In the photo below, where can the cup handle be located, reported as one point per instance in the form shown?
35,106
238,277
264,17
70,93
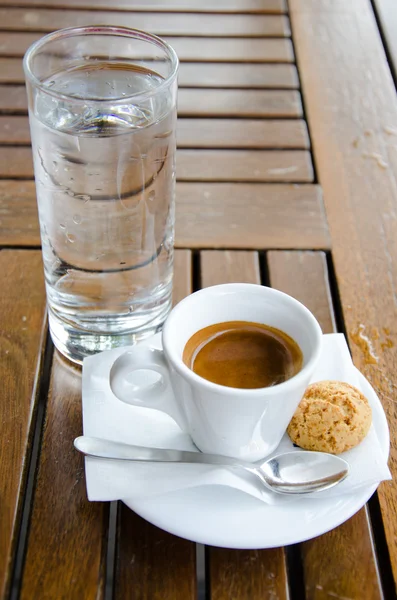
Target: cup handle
157,395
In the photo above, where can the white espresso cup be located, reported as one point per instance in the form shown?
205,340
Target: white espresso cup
243,423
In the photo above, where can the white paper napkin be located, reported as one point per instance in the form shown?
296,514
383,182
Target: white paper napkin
107,417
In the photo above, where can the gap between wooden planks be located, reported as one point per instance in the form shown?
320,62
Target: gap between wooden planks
198,103
201,165
352,110
202,133
386,11
179,24
208,215
236,50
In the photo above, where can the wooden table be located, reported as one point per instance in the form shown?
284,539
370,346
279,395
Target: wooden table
287,165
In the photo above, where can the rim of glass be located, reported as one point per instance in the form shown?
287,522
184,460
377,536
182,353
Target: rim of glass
101,30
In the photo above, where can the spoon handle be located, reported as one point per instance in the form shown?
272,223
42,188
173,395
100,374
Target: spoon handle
101,448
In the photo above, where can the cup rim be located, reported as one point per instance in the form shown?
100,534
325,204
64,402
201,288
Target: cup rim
101,30
285,386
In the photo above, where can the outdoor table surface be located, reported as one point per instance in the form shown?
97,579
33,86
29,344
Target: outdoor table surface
286,176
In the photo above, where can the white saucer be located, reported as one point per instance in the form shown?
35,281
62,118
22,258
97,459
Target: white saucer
221,516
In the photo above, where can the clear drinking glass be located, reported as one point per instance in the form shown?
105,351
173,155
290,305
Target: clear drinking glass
102,112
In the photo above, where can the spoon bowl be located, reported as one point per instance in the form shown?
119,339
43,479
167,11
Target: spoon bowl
303,472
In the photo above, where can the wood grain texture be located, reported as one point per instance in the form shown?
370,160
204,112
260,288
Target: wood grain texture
220,215
225,266
387,13
223,6
151,563
11,70
182,275
242,574
247,49
67,536
244,165
200,165
22,337
239,103
178,24
196,75
352,122
198,103
14,130
304,275
208,215
347,550
13,99
19,224
252,50
349,556
237,133
16,162
201,133
253,574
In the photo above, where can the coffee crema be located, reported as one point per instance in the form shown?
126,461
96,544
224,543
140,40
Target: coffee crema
243,354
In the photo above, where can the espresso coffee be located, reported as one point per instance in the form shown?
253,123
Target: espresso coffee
241,354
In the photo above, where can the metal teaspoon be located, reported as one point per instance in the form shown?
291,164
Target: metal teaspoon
299,472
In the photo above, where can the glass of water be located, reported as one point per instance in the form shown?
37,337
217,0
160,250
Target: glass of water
102,112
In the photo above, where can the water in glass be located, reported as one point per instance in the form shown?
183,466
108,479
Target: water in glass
105,189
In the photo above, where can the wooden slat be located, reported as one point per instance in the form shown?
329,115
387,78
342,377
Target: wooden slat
248,574
13,99
304,275
349,554
14,130
16,162
342,63
386,10
11,70
201,133
22,310
250,50
224,6
241,103
208,215
221,215
179,24
243,165
182,275
238,133
347,550
218,75
198,103
241,574
200,165
68,535
153,564
18,214
225,266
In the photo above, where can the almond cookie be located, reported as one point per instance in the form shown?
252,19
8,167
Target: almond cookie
332,416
